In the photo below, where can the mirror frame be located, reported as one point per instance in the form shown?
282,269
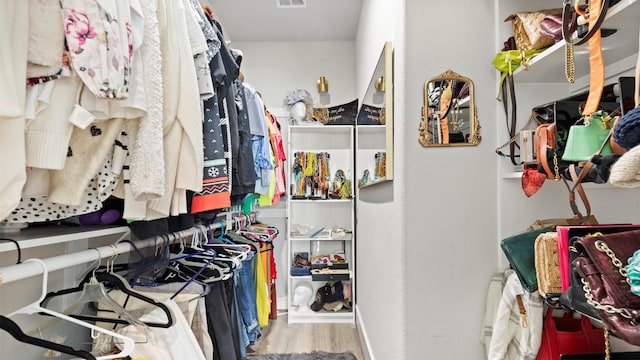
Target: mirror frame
384,70
474,125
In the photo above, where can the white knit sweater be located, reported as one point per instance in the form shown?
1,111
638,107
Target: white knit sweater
14,32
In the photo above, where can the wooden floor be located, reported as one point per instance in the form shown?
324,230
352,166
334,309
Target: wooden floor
283,338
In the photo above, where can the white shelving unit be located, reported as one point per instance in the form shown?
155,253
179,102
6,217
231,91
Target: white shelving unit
327,214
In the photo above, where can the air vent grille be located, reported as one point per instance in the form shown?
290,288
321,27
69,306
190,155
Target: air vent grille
291,3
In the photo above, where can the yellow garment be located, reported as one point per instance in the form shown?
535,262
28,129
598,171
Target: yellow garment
262,295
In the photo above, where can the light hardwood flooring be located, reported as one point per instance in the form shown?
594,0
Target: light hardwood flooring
283,338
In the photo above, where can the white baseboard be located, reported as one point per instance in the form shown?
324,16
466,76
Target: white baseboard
364,339
282,303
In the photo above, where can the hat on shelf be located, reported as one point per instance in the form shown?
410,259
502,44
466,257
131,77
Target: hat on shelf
626,171
626,132
329,293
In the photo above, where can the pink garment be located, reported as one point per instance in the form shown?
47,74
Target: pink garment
280,156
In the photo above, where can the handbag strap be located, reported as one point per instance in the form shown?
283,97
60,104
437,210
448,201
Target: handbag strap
568,20
577,182
543,154
511,119
596,60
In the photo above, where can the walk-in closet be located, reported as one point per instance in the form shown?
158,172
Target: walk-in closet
284,179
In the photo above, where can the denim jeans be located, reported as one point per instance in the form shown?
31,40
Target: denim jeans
246,296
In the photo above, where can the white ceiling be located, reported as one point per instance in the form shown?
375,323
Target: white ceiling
262,20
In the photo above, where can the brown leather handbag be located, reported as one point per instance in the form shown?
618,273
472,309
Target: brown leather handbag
601,264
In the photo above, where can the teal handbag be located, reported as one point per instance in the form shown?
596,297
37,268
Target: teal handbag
586,139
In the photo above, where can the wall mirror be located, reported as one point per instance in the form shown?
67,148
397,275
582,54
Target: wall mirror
449,112
374,125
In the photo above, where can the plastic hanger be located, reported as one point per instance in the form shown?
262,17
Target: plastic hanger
127,343
95,292
14,330
121,284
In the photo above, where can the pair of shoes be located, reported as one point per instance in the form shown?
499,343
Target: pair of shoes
301,262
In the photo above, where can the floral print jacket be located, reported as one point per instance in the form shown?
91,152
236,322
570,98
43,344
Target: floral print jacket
99,43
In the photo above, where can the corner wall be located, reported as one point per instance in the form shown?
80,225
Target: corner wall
451,203
380,274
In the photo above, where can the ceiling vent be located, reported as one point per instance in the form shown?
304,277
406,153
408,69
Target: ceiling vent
288,4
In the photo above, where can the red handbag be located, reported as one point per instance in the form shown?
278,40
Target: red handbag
569,335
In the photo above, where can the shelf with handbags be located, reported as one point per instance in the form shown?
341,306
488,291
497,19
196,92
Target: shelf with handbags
588,276
618,38
561,107
606,98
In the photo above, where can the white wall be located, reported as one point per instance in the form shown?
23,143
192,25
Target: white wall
381,288
451,238
275,68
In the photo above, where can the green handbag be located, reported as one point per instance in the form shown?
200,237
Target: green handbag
519,251
586,139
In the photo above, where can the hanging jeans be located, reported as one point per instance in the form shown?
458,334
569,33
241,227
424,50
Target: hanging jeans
246,295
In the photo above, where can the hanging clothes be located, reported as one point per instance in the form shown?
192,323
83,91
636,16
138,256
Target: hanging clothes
14,38
173,343
246,174
215,192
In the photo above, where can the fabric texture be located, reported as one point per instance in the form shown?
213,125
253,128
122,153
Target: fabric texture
182,114
215,192
626,133
88,149
48,128
100,45
147,166
510,340
46,38
14,32
626,171
173,343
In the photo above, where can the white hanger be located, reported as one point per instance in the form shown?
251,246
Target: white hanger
127,343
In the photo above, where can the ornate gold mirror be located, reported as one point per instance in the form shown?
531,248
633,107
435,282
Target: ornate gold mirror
449,112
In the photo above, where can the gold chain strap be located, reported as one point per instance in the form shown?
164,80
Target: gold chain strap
607,345
604,248
513,139
569,63
556,168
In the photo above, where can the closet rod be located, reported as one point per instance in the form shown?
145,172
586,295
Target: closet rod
25,270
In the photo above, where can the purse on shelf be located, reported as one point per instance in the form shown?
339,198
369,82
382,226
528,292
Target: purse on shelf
585,139
519,251
600,262
567,232
556,120
546,264
527,30
551,27
569,335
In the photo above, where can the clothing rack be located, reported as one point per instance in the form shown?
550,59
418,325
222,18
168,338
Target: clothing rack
25,270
